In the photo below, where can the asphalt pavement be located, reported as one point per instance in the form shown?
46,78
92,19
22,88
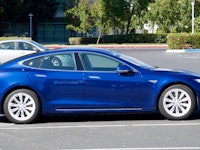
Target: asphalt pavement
149,131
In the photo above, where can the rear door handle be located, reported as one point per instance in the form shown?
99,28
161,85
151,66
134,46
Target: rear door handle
94,77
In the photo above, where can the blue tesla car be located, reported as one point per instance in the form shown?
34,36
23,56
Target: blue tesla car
90,80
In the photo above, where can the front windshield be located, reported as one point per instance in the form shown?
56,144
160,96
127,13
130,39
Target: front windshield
133,60
38,45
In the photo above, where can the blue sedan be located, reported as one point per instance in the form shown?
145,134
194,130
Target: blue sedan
89,80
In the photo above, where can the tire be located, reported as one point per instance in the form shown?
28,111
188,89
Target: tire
22,106
177,102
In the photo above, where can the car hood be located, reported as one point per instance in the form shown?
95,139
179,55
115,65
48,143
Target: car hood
176,71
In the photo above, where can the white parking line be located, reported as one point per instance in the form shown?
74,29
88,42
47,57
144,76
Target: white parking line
165,124
153,148
27,127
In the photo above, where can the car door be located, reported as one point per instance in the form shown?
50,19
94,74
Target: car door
58,80
105,88
13,49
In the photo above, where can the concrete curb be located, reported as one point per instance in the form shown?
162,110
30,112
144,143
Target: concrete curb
183,51
154,46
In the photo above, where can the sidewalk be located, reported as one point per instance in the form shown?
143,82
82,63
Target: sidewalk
110,46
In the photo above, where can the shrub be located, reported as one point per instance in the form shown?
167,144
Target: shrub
135,38
130,38
183,41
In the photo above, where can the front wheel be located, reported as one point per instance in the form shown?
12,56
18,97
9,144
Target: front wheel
22,106
177,102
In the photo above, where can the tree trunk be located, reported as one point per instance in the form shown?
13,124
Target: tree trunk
99,37
128,25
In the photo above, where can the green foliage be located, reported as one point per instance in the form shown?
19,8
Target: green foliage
79,17
107,15
131,38
135,14
183,40
135,38
115,14
171,16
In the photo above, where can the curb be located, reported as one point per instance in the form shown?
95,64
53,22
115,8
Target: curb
109,46
183,51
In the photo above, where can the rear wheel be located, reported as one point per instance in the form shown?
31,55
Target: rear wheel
177,102
22,106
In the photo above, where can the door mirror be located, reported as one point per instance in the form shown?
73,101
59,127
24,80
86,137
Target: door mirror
124,70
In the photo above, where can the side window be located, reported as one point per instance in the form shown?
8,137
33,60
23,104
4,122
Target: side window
19,46
28,46
94,62
7,45
63,61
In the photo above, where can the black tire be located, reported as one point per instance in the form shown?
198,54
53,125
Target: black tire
177,102
22,106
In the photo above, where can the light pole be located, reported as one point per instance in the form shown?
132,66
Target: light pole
31,24
193,2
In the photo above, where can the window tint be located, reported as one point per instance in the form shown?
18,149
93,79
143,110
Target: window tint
7,45
28,46
59,62
94,62
24,46
17,46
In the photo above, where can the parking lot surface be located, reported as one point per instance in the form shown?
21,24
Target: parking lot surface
111,132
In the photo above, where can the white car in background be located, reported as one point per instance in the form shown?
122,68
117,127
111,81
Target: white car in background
10,49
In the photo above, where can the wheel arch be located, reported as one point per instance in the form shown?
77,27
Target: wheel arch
16,88
175,83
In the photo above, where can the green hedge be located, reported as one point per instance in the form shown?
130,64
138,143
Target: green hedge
183,40
135,38
131,38
13,38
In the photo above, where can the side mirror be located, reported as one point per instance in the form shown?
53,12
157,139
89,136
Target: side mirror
124,70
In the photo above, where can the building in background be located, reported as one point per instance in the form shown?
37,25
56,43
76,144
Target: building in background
53,31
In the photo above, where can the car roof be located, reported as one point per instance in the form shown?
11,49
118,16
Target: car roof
79,49
63,50
15,40
75,49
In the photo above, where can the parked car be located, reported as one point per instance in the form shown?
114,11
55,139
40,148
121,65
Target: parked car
93,80
10,49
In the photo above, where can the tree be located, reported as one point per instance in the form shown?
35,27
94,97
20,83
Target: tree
79,17
8,12
165,14
41,9
171,16
104,14
108,15
116,14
